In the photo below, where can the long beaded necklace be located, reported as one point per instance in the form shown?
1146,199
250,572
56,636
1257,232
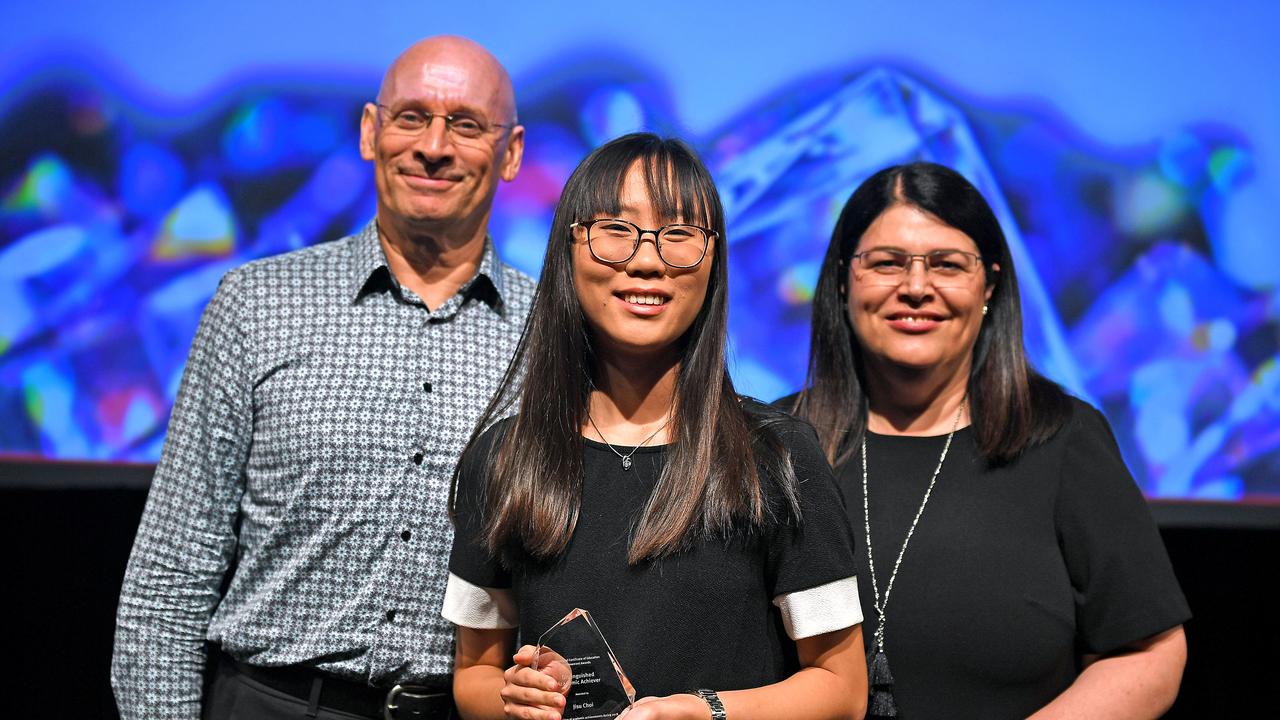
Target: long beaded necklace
626,459
881,703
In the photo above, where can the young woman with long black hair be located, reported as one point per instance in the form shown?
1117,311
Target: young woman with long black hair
703,531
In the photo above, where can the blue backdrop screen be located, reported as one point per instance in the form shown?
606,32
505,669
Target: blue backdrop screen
1148,271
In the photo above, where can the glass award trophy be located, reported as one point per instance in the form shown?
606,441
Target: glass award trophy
575,653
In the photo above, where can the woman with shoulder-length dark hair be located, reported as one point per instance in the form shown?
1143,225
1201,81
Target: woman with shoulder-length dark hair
1013,567
702,531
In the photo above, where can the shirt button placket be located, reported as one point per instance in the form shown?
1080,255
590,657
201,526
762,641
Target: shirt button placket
386,651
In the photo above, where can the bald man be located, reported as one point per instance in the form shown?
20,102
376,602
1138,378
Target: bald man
295,544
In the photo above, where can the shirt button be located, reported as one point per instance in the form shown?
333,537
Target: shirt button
426,387
391,616
406,535
417,458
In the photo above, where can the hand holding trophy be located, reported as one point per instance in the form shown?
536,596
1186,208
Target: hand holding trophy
575,653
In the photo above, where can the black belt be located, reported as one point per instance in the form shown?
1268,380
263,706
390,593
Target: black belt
317,688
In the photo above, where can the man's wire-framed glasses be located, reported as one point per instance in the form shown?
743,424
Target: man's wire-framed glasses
613,241
412,121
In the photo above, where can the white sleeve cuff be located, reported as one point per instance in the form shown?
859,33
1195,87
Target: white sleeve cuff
478,607
819,610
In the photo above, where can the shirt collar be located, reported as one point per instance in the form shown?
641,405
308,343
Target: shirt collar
370,271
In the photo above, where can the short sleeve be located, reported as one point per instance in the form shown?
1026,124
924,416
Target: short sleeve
1124,585
810,568
479,590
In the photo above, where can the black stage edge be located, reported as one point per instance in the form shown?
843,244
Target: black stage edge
68,549
39,474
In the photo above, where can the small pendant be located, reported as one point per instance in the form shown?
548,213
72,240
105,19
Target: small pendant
626,463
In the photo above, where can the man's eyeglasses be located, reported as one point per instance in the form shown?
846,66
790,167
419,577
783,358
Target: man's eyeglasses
946,268
412,122
613,241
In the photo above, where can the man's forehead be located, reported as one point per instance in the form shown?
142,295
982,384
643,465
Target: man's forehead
444,76
444,80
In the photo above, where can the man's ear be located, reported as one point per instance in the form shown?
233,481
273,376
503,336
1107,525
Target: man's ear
368,130
513,155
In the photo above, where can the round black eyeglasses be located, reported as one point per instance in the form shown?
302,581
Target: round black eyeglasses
613,241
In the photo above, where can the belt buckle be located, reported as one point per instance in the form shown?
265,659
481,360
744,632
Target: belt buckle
416,692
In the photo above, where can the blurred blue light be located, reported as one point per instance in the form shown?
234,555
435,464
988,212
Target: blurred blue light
255,138
202,222
610,112
151,179
1143,242
42,251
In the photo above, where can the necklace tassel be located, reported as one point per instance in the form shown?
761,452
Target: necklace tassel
880,704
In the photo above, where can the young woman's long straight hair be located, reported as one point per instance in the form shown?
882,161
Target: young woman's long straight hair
710,483
1012,407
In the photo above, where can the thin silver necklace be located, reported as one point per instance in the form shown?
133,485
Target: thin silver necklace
626,459
866,516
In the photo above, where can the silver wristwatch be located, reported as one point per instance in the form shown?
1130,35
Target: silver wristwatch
713,701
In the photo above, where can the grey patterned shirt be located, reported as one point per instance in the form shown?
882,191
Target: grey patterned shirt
311,445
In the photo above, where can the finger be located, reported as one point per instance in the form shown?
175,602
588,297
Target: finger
531,677
524,712
524,656
560,672
636,712
537,680
516,695
531,695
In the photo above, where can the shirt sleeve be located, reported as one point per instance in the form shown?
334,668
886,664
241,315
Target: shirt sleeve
1124,585
479,591
186,539
811,568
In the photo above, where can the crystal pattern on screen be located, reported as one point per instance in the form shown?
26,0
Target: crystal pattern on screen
1144,288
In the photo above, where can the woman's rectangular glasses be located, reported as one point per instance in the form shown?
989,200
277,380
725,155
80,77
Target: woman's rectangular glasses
889,266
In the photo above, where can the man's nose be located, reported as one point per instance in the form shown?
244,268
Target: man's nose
435,142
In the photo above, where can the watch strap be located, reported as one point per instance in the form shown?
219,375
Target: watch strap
712,699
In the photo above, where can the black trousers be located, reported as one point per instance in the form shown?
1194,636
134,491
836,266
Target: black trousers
232,696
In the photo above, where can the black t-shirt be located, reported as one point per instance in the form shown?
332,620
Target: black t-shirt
702,618
1011,573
